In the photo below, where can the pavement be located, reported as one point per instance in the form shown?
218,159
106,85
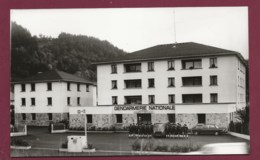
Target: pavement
40,138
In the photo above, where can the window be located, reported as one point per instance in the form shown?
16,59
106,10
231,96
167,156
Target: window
150,83
33,116
22,87
136,67
213,98
171,65
150,66
89,118
32,101
50,116
68,86
78,101
68,101
114,84
114,100
201,118
23,102
171,98
171,82
113,68
135,83
23,116
213,80
49,101
191,64
191,81
119,118
32,87
213,63
87,88
49,86
133,99
151,99
192,98
171,118
78,86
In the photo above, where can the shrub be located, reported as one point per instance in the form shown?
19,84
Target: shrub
58,126
136,146
64,145
18,142
163,148
149,146
14,129
65,122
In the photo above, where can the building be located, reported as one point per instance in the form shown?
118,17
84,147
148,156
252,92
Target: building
187,83
46,97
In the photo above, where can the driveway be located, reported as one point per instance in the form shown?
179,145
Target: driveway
39,138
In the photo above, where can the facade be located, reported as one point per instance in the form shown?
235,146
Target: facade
186,83
46,97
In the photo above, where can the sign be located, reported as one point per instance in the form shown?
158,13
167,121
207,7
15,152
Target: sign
144,107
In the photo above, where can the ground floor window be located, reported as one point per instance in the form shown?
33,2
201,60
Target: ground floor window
201,118
23,116
89,118
50,116
33,116
171,118
119,118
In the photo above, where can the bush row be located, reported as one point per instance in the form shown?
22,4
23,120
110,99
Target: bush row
151,145
18,142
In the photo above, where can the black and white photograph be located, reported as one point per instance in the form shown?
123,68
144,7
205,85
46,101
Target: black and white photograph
129,82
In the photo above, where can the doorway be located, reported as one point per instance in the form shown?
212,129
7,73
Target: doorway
144,118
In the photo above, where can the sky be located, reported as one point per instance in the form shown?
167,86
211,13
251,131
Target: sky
133,29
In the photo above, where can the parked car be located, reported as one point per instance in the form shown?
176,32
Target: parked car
208,129
159,129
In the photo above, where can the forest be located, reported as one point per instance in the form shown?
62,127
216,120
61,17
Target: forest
73,54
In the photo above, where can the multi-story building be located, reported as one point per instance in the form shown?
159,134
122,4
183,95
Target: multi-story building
46,97
182,83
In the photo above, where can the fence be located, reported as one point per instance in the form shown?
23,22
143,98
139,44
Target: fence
58,128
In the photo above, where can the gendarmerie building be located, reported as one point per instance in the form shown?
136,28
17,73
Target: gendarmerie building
186,83
46,97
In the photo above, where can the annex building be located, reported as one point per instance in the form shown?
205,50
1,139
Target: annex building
187,83
46,97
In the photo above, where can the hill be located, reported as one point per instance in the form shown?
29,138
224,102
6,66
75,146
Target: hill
69,53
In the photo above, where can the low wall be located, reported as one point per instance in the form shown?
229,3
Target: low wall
243,136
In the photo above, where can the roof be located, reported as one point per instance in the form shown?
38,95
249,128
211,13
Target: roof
174,50
53,76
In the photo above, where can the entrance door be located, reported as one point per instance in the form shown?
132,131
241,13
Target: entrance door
144,118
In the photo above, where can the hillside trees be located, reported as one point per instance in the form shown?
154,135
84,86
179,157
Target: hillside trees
74,54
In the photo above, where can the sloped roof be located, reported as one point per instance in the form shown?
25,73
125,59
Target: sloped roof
175,50
54,75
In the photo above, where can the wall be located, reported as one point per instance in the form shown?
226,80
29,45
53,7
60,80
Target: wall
59,96
41,119
226,73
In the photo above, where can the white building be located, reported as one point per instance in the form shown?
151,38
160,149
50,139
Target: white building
46,97
183,83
